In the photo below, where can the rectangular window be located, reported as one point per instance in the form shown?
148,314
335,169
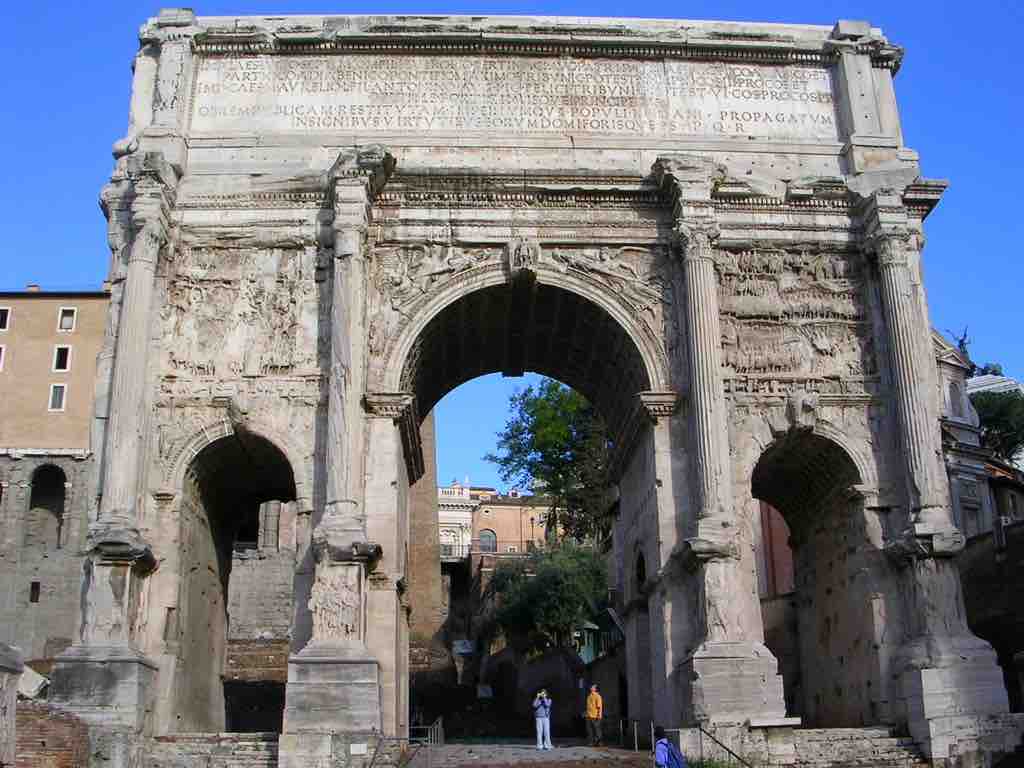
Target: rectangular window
3,354
33,592
5,318
57,392
511,549
66,319
61,358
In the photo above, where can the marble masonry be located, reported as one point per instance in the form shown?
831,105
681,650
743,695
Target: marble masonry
320,225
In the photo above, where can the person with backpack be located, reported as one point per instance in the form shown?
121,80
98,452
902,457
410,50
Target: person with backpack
666,754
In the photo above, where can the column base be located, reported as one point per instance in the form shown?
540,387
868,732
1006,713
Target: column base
734,682
333,689
332,709
106,685
945,703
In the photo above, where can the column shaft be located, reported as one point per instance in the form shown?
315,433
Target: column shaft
125,426
341,509
703,340
918,426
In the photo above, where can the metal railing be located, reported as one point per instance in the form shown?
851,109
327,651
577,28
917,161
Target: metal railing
520,546
432,735
455,551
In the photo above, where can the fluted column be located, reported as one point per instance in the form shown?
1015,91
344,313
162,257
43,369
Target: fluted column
125,425
728,674
948,676
919,433
118,556
355,178
334,682
703,344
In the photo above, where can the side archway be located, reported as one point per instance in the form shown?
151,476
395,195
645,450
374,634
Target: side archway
226,489
822,567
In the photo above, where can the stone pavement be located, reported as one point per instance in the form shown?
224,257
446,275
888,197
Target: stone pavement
452,755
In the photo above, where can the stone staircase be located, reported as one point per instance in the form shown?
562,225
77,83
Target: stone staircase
854,747
214,750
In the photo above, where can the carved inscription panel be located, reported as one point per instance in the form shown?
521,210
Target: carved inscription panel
510,95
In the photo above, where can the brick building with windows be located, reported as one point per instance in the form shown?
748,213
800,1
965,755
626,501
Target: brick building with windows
50,347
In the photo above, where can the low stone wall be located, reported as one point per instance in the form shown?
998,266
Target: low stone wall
49,738
977,742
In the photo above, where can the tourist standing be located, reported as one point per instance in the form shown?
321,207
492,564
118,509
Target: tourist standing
595,711
542,717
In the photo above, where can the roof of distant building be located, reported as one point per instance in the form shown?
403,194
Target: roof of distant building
992,383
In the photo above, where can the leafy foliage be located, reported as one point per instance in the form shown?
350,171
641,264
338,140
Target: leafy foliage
1002,421
554,440
543,597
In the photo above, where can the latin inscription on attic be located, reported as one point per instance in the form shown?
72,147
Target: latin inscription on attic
511,95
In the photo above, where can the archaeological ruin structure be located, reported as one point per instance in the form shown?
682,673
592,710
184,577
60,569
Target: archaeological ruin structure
320,225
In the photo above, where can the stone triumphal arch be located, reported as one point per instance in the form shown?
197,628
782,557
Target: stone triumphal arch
321,225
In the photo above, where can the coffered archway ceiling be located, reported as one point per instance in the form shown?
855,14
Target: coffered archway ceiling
545,329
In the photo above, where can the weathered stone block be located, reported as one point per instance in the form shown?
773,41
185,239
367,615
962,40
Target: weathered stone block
112,688
332,695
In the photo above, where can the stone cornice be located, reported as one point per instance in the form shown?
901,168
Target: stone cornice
522,36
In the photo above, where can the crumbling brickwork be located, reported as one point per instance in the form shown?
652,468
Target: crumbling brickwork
50,739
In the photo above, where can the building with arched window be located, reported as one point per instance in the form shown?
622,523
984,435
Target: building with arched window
53,366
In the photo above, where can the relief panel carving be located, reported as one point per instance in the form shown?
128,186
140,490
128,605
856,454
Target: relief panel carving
234,313
794,315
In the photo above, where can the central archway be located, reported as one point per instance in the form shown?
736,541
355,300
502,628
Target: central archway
538,327
570,327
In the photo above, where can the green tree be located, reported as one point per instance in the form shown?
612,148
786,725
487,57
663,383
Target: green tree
1002,421
543,597
554,440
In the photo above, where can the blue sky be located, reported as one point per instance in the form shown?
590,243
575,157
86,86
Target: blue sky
66,102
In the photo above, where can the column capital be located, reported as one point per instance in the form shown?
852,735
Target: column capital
389,405
117,542
659,404
360,173
695,239
883,214
401,408
919,543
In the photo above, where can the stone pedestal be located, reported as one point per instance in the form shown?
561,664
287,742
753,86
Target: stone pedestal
950,679
106,685
332,708
333,698
734,682
334,690
104,679
11,667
